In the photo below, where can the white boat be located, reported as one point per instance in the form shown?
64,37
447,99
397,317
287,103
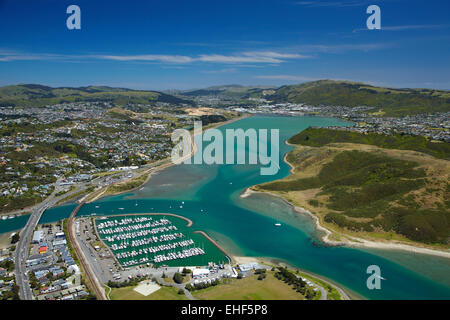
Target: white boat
11,217
277,224
96,207
4,217
121,208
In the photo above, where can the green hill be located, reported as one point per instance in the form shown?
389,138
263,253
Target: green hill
319,137
393,102
388,193
38,95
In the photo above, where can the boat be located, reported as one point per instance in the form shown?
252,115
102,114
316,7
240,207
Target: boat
4,217
96,207
121,208
11,217
277,224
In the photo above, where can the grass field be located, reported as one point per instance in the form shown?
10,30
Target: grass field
250,288
164,293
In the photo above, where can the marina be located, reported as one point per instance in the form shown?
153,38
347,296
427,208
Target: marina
156,240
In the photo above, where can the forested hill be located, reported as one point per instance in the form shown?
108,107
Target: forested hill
38,95
390,101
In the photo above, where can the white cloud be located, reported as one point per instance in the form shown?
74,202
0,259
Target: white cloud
268,57
147,57
340,48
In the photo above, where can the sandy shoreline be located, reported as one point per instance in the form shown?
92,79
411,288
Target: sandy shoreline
160,167
357,242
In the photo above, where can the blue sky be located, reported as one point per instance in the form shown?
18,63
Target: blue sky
191,44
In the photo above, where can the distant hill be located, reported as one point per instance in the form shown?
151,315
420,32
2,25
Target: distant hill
38,95
392,102
232,91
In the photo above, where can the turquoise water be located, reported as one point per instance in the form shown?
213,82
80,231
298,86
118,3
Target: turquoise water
246,226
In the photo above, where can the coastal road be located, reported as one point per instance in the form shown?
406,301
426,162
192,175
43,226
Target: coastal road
324,292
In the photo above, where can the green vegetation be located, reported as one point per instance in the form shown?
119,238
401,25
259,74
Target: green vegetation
127,283
38,95
249,288
332,292
370,192
319,137
8,265
200,286
296,282
129,185
15,238
12,294
178,278
393,102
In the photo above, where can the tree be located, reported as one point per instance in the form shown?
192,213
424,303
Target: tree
310,294
15,238
178,278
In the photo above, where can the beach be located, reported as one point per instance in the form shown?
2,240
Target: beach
355,241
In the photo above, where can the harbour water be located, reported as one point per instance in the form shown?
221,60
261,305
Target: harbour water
246,226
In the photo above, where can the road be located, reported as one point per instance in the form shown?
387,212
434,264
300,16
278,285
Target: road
21,254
